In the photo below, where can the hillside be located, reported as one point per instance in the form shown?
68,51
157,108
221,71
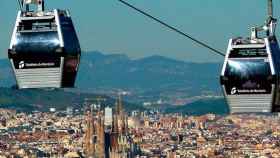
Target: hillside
157,73
201,107
146,79
154,73
42,100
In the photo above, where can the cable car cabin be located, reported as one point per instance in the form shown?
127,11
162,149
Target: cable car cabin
44,50
250,76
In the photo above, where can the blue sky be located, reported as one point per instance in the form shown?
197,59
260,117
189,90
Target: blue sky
110,27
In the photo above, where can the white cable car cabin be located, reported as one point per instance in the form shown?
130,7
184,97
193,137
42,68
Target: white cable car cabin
44,50
250,75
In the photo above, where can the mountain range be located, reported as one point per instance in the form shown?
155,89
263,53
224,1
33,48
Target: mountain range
146,79
154,73
44,99
151,73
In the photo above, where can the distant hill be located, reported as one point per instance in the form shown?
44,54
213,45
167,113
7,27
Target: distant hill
41,100
154,73
201,107
149,78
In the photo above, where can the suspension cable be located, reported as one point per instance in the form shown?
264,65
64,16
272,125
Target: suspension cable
172,28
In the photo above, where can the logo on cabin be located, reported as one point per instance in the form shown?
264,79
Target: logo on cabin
233,91
21,65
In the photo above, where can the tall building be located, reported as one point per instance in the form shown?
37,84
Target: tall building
120,146
100,136
69,111
108,117
89,144
101,143
115,133
119,107
94,140
121,117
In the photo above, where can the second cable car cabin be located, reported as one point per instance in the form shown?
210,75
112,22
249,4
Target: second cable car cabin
44,49
250,76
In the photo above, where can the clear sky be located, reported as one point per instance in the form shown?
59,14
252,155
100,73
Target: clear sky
110,27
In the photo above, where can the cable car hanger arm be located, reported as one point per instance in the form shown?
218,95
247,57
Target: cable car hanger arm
173,28
24,5
269,26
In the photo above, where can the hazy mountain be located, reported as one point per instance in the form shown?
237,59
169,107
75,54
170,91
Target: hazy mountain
151,73
155,73
202,107
42,100
150,78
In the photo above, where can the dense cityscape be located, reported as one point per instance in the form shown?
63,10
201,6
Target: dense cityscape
112,133
173,101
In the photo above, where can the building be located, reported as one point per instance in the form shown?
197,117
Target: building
108,117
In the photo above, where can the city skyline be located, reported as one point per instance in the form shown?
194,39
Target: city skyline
107,26
138,134
118,84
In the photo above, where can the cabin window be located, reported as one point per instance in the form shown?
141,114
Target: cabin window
37,42
37,25
248,76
